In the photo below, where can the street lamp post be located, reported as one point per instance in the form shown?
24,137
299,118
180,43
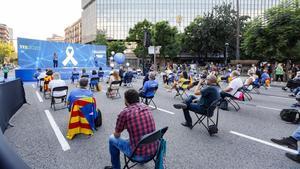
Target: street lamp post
238,30
226,53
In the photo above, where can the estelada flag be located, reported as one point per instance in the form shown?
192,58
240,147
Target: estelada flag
82,117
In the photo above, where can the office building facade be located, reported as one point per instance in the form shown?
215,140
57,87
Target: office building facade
73,33
115,17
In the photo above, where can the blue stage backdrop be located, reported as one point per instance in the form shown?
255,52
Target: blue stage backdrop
33,54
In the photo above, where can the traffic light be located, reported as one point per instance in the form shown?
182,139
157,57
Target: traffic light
147,39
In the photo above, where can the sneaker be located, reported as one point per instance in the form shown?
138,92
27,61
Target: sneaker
286,141
108,167
292,95
294,157
296,105
284,88
180,106
185,124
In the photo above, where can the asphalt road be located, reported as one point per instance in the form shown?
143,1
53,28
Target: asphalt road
242,141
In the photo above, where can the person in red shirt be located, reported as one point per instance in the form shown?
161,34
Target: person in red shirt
137,119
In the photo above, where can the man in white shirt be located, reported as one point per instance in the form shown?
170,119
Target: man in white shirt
57,82
235,84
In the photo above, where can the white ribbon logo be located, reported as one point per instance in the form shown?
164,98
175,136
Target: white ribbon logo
70,56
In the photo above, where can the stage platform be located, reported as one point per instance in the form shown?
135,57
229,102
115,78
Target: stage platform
26,74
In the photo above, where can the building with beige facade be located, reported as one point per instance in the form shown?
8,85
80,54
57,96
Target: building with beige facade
73,33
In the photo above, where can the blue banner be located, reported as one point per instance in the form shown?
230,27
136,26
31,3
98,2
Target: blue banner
42,54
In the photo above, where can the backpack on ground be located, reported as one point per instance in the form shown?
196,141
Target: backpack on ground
224,105
290,115
98,119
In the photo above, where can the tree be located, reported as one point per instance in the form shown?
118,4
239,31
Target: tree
277,36
168,38
207,35
136,34
101,40
116,46
7,51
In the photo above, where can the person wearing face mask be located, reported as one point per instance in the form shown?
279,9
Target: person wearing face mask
209,93
130,119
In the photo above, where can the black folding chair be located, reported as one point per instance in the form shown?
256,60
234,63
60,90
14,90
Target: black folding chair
63,98
182,91
230,99
156,136
148,100
41,84
208,115
94,83
246,92
113,91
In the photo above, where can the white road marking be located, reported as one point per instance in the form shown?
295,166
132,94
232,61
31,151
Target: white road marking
33,85
39,96
280,97
259,106
265,142
163,110
63,142
270,108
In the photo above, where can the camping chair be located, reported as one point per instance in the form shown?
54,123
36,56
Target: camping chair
148,100
230,99
81,122
153,137
41,84
113,91
94,83
180,91
75,76
101,75
128,79
209,113
63,98
246,92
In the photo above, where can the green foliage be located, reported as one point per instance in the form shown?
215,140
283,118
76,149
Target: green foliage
116,46
7,51
277,37
208,34
162,34
136,34
167,37
101,40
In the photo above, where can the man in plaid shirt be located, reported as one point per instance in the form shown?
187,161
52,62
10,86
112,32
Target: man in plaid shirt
137,119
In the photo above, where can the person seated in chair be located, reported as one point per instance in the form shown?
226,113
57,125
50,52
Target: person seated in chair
209,94
234,85
293,83
93,82
251,79
84,74
47,80
57,82
128,76
130,119
112,78
146,91
101,73
290,142
265,79
80,92
75,75
183,77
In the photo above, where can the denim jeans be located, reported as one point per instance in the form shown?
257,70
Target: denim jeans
296,91
296,136
194,107
118,144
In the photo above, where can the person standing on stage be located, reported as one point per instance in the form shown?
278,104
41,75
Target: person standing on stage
55,60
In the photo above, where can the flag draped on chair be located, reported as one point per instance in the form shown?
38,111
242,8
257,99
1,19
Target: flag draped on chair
82,117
